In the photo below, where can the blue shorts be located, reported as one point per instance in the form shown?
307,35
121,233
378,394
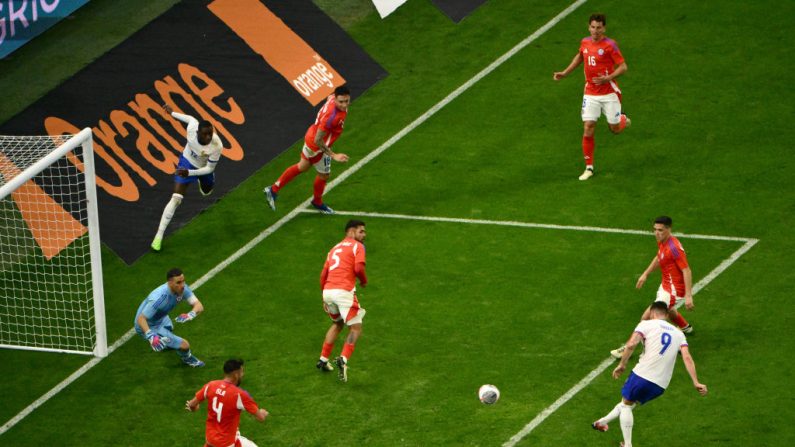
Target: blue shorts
164,331
207,180
638,389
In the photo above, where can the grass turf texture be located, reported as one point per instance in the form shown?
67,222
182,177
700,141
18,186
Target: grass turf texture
532,311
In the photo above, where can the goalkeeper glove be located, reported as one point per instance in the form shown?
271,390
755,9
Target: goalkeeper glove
157,343
186,317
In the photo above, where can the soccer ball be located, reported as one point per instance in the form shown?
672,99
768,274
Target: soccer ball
489,394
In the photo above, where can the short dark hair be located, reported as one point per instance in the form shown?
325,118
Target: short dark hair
232,365
599,17
659,306
353,223
665,220
342,91
204,124
173,272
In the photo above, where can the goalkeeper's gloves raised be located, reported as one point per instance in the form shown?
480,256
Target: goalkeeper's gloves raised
157,343
186,317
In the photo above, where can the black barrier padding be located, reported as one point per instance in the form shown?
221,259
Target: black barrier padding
457,9
276,115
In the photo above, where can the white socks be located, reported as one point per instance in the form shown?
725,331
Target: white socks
627,421
168,213
612,415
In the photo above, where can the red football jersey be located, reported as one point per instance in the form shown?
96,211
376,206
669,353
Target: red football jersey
225,401
673,260
341,264
330,120
599,59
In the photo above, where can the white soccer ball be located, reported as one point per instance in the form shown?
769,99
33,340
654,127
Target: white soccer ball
488,394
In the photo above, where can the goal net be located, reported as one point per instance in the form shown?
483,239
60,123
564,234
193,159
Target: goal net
51,296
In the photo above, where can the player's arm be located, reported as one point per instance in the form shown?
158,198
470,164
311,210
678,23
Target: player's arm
261,414
688,277
620,69
320,141
655,264
250,406
154,339
194,312
324,276
359,270
633,341
690,365
193,404
558,75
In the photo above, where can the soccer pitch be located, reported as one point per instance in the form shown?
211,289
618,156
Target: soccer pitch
482,295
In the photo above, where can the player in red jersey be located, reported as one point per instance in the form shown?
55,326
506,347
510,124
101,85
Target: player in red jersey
676,287
317,150
225,401
345,262
603,64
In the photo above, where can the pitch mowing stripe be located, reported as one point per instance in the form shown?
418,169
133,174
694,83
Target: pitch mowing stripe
513,223
270,230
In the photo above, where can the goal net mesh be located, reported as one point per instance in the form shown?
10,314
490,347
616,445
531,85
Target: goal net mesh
46,297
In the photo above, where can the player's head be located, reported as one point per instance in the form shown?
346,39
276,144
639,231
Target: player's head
355,229
233,369
342,98
659,310
662,228
205,134
596,25
176,281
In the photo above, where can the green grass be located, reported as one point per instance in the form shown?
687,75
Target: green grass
452,306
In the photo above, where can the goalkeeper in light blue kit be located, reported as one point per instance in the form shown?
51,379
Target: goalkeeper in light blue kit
153,323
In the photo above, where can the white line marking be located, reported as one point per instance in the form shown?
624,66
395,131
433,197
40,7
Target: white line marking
270,230
541,417
513,223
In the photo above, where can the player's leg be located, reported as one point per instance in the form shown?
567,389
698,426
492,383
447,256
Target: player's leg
180,186
676,317
272,191
207,184
627,420
331,337
323,168
591,110
353,315
242,441
616,120
180,345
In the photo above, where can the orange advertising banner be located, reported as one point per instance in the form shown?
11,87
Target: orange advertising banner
284,50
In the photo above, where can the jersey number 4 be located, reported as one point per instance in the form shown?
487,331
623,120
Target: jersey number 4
217,408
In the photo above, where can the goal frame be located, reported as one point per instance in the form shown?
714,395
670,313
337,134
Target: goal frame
83,139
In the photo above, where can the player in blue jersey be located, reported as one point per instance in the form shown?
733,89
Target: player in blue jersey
651,376
153,323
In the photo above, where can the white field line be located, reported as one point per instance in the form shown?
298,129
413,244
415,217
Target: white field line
513,223
749,243
270,230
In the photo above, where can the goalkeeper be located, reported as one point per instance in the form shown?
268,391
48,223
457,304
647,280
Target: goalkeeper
197,163
153,323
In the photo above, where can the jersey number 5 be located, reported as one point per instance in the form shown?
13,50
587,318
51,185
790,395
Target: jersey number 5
592,61
217,408
336,258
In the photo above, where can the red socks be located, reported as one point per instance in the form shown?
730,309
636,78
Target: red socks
319,187
347,351
587,150
285,178
326,351
680,321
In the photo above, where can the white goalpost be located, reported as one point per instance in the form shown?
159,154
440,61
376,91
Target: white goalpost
51,293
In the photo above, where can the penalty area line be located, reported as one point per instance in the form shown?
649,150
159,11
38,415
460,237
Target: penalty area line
300,208
544,414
